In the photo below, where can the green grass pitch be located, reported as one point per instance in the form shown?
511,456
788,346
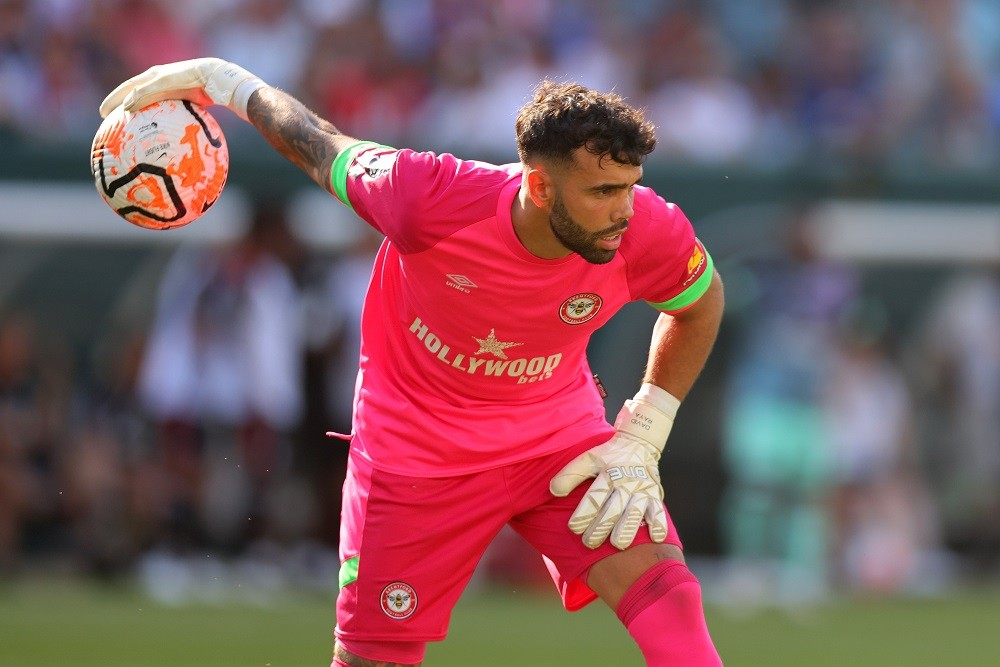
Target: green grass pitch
60,623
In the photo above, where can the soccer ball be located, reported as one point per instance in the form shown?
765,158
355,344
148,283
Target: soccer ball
162,166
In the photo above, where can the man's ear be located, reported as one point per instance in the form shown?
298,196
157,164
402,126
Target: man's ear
540,187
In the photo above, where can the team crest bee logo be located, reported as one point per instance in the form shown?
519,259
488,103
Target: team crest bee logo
580,308
399,600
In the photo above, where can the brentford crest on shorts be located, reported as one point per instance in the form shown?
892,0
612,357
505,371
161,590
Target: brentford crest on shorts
580,308
399,600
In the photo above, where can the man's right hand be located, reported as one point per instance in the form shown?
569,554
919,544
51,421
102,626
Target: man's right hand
205,81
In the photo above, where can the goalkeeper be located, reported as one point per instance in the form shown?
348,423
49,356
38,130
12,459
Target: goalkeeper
475,406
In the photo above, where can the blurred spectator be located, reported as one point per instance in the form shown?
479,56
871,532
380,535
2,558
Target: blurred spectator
16,434
779,141
148,32
334,302
106,463
450,112
49,99
933,97
17,65
355,75
884,530
343,293
834,77
595,43
776,447
36,392
252,32
956,366
701,112
221,378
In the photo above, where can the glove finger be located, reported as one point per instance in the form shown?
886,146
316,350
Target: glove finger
627,526
581,468
605,520
142,97
590,505
117,96
656,521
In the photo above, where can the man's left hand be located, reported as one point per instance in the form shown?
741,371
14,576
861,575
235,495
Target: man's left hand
627,486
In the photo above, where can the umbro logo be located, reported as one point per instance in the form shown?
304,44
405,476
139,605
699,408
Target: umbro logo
459,282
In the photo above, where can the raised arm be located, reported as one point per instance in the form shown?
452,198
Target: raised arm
308,141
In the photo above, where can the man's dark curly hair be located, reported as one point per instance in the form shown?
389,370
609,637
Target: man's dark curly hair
565,116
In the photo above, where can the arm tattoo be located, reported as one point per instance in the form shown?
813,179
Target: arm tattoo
308,141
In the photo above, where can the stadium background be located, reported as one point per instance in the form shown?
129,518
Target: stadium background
875,126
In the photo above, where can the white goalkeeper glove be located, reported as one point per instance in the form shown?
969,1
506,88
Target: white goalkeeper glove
206,81
627,489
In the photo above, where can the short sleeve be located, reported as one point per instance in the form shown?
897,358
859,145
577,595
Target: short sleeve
668,267
414,198
697,278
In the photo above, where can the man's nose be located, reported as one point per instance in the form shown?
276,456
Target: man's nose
625,211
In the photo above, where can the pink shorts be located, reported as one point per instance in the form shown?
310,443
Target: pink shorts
409,545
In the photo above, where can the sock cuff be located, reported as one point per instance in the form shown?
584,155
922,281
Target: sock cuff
651,586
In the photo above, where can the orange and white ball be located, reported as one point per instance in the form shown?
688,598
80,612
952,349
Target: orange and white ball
160,167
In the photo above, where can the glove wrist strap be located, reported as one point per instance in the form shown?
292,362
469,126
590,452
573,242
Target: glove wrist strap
241,96
649,416
230,85
659,398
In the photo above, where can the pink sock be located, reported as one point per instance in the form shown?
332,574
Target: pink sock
663,613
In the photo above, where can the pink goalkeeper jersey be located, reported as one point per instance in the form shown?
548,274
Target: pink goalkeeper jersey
473,351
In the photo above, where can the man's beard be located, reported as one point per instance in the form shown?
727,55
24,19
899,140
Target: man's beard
578,239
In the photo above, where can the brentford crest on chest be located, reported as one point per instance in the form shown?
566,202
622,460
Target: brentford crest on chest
580,308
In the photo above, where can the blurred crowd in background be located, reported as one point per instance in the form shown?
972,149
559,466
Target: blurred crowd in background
765,82
856,458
